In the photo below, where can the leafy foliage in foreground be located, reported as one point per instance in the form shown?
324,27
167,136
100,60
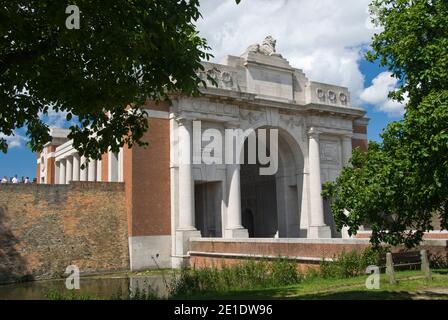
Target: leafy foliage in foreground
399,188
413,45
124,53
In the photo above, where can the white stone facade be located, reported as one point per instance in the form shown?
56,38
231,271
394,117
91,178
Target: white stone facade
68,164
257,90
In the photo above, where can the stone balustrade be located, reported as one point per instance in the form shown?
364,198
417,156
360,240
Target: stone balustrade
70,168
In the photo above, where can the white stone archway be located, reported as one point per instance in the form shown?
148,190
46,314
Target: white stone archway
255,90
279,214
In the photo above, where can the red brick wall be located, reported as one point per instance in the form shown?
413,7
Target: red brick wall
361,144
51,171
161,106
314,249
45,228
147,179
50,167
359,129
105,167
311,249
128,185
207,252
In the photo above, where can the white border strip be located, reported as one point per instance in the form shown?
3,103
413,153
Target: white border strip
284,240
158,114
360,136
257,256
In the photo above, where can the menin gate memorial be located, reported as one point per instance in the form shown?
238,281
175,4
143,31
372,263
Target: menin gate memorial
170,202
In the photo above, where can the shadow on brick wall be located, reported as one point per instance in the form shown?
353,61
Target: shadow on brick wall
13,266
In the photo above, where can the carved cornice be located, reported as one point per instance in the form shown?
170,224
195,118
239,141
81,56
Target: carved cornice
314,133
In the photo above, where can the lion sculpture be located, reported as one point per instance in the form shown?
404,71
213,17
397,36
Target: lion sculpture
267,47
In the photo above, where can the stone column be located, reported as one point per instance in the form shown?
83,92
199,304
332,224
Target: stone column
92,170
113,166
75,175
186,183
234,227
62,171
56,172
83,173
186,224
69,170
99,170
346,148
317,228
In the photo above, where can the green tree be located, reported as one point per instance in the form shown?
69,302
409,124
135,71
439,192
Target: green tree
124,53
400,185
413,44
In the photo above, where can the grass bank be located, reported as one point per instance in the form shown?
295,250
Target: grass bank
344,278
411,285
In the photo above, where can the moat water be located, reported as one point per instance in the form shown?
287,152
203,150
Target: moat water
93,287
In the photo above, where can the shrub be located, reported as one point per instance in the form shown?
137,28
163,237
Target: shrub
243,276
438,261
284,273
72,295
349,264
146,294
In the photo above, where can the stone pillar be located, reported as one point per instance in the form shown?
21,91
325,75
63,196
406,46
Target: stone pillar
99,170
92,170
186,224
56,173
83,173
234,227
69,170
75,175
186,183
346,148
113,166
61,171
317,228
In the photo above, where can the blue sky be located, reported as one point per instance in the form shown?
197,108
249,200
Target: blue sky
325,38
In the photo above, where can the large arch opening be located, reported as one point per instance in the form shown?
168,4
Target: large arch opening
271,204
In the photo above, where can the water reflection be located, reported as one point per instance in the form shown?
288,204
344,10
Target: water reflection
105,287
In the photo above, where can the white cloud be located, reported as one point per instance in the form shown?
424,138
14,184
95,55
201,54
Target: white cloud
55,119
377,94
323,37
14,141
